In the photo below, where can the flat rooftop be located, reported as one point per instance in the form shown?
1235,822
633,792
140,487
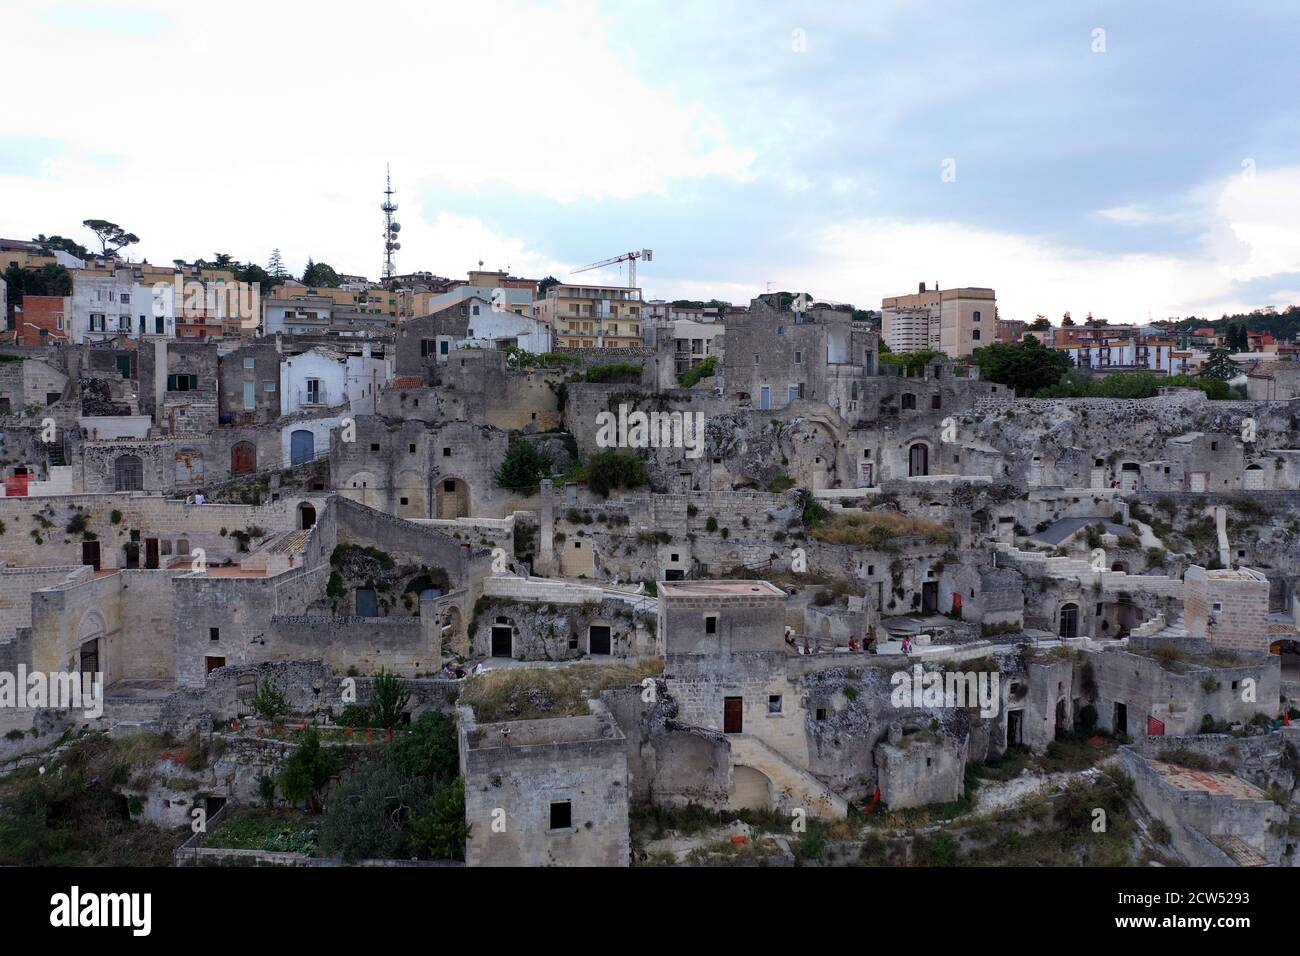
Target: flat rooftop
1214,782
688,589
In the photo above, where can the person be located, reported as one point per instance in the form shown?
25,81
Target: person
198,498
818,648
789,639
806,649
853,645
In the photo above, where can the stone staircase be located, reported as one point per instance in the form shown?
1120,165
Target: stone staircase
791,786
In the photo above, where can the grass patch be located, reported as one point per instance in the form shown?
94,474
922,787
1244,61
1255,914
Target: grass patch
879,530
531,693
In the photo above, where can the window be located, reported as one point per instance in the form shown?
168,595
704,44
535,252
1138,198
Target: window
774,704
798,357
249,363
561,815
442,348
159,327
374,446
821,713
313,391
476,313
975,335
426,348
268,386
214,634
446,453
97,322
411,448
182,383
710,624
250,395
976,316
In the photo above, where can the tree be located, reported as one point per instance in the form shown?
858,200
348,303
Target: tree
441,831
111,234
269,701
320,276
1040,322
546,284
224,260
1066,321
1220,365
308,770
253,274
913,362
615,469
1026,366
60,244
524,467
276,266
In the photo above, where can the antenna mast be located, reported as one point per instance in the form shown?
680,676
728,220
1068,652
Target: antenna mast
391,227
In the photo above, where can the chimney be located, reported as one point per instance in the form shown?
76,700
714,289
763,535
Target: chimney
920,287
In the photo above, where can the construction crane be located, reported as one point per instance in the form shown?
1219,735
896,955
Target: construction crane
629,257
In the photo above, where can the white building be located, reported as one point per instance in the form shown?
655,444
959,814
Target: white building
315,379
498,328
103,304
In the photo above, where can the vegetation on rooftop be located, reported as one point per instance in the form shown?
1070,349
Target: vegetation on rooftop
533,693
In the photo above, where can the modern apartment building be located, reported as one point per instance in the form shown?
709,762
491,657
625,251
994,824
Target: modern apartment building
592,316
953,321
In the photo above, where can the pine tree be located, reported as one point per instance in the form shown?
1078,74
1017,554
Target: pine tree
276,266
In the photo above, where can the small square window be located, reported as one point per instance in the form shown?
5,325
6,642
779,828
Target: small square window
214,634
411,448
249,363
406,501
561,815
374,446
774,704
446,453
821,713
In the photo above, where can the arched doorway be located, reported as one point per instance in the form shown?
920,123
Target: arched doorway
453,498
1254,478
243,458
918,460
302,446
128,473
1069,621
306,515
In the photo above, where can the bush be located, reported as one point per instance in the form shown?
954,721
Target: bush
269,702
440,832
692,376
307,771
523,468
388,700
612,469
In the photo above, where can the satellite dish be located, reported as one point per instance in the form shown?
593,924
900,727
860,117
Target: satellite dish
397,227
397,245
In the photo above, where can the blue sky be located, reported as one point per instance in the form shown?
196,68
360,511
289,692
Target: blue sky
1152,169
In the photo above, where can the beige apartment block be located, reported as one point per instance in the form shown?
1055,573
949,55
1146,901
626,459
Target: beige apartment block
953,321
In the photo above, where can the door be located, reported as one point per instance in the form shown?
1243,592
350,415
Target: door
1069,622
765,397
501,642
1198,480
151,553
929,597
1015,723
1120,723
90,553
598,639
733,715
243,458
367,602
213,663
1254,478
124,366
918,461
90,657
302,446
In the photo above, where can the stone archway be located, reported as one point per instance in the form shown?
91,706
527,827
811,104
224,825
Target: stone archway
453,498
918,460
306,515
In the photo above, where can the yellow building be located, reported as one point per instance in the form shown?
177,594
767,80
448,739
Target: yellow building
591,316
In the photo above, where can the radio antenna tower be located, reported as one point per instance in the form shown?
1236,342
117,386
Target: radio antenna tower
391,227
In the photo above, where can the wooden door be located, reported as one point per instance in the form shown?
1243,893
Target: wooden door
733,715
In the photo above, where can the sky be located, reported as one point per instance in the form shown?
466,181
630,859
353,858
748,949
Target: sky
1127,160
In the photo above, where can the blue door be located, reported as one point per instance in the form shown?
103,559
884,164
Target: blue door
302,446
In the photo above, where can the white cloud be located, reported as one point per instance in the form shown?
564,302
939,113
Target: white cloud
1250,231
269,124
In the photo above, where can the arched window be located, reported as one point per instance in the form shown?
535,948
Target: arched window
129,474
